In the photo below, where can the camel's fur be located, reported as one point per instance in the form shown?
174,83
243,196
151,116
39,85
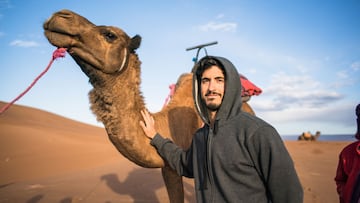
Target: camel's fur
116,99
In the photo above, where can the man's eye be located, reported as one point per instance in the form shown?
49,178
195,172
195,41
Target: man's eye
204,80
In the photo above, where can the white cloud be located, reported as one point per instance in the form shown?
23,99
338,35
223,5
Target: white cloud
295,91
22,43
216,26
342,74
303,103
347,77
355,66
300,119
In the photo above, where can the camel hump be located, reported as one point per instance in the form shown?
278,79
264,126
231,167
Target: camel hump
307,135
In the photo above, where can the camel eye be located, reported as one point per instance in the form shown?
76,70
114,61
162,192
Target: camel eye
109,36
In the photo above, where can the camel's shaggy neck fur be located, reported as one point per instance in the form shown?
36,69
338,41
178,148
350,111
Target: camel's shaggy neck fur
117,101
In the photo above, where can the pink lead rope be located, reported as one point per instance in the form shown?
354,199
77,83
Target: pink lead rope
60,52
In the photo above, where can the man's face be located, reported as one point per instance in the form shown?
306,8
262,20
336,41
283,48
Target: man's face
212,87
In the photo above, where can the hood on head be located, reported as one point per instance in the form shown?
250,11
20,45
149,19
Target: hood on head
231,104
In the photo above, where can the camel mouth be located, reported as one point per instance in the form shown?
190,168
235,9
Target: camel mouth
54,30
57,35
48,26
77,53
60,39
69,50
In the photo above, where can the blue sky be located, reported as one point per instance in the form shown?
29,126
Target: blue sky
305,55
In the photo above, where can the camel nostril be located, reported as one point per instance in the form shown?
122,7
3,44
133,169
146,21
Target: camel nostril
65,14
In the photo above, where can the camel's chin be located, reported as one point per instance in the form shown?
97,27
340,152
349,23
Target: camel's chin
89,66
82,63
86,67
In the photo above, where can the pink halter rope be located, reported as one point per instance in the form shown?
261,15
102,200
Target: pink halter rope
60,52
172,91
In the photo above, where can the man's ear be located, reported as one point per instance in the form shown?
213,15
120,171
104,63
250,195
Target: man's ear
134,43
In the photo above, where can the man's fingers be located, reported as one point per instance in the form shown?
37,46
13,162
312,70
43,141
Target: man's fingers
147,124
147,117
142,124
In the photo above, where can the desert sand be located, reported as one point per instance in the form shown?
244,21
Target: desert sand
48,158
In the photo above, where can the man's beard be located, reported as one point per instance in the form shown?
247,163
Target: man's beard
213,107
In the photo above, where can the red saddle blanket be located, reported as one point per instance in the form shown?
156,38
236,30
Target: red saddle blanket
248,88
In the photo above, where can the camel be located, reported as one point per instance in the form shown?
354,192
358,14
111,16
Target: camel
307,136
106,54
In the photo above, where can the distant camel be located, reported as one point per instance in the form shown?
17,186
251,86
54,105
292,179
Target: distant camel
309,137
107,56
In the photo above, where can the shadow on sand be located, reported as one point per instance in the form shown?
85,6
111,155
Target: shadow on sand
145,190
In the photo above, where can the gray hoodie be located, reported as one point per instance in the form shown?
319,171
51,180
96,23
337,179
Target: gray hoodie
241,159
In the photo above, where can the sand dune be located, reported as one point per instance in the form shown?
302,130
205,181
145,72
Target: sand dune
48,158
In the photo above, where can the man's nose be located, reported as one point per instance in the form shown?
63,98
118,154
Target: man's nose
212,85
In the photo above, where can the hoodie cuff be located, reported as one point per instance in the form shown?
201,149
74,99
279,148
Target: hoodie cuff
156,139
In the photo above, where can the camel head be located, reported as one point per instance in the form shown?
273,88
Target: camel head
94,48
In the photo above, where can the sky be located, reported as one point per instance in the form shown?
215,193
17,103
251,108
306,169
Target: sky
303,54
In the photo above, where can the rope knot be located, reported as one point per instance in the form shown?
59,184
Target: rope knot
60,52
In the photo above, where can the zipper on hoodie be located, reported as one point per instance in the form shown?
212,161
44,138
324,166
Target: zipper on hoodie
209,163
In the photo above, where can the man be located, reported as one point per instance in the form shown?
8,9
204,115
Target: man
347,176
234,157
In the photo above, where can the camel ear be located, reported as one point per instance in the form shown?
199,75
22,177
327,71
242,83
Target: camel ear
135,43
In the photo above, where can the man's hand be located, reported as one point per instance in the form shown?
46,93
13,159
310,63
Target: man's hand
148,125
